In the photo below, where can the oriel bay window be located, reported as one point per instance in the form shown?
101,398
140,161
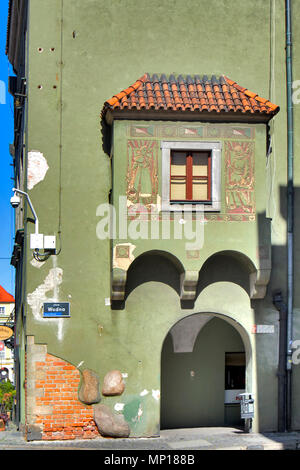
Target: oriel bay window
191,174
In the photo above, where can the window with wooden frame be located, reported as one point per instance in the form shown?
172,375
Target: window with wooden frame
191,175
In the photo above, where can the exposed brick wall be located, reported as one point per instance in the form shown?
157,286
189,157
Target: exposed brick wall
58,412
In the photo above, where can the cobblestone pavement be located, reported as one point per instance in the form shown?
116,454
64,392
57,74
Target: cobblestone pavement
193,439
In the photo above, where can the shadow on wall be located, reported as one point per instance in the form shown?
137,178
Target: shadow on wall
223,267
155,266
274,353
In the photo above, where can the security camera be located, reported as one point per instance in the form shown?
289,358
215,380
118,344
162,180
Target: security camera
15,201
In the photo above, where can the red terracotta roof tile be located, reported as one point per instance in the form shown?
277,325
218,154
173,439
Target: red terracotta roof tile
190,93
5,296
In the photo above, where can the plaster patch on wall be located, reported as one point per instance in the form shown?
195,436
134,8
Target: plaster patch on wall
138,415
144,392
37,168
36,299
140,412
37,264
123,255
156,394
119,406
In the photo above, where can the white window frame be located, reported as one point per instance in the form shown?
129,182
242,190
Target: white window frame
216,149
2,310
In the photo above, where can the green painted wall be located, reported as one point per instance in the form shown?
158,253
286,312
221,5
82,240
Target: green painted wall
89,53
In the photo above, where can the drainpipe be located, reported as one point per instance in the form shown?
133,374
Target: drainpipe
290,212
281,306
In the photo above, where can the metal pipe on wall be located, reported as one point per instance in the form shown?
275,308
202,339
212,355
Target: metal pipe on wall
290,211
281,373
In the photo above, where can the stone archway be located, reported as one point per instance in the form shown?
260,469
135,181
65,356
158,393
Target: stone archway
193,372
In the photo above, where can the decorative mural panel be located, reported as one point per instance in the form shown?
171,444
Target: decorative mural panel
141,131
214,132
122,251
191,131
166,131
142,172
239,167
239,132
193,254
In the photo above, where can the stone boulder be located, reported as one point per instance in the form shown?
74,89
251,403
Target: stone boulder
89,391
110,424
113,383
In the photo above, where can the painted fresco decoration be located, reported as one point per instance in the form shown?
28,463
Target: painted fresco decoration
142,174
191,131
239,132
142,131
238,150
239,163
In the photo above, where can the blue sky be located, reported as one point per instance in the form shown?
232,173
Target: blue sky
7,272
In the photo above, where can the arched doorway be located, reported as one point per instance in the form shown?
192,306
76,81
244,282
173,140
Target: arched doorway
203,368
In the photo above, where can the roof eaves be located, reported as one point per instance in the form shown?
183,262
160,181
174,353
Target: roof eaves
127,92
170,114
252,95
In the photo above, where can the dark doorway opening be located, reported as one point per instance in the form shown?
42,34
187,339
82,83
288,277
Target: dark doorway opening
198,378
235,383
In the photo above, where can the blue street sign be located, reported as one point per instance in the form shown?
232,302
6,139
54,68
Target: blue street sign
56,309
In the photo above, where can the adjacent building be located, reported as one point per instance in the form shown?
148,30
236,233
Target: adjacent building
7,317
154,233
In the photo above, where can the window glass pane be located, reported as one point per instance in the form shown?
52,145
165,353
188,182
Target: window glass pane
235,369
235,359
200,190
200,163
178,164
235,377
178,189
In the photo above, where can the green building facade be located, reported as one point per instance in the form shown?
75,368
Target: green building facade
172,313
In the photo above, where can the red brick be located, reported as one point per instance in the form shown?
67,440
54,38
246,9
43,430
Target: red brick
70,419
